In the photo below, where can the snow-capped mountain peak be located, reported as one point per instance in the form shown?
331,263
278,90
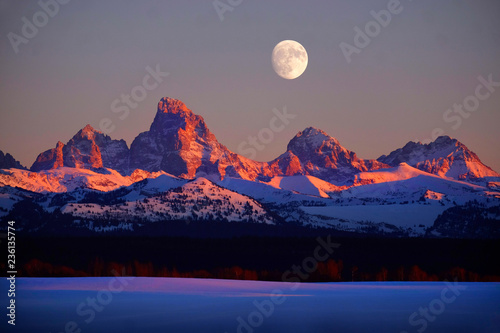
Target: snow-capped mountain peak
87,149
179,142
87,132
312,138
172,105
322,156
445,156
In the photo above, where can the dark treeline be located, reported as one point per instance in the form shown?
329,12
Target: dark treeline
259,258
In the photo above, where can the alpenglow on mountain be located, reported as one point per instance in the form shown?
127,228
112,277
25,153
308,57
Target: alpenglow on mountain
445,157
179,171
180,143
87,149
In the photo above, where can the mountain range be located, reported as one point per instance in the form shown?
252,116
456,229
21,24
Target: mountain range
178,170
180,143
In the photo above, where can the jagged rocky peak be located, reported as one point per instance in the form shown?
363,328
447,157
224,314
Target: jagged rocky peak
445,156
180,143
7,161
311,138
172,105
174,117
49,159
445,140
313,142
322,156
88,132
88,149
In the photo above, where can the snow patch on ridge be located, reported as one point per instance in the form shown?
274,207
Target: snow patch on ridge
68,179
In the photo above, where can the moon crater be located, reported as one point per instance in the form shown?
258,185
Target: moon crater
289,59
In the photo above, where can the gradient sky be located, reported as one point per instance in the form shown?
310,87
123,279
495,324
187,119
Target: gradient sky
394,91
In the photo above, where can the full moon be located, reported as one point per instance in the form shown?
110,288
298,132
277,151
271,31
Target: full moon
289,59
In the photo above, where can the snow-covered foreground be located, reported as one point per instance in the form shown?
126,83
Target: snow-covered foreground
127,304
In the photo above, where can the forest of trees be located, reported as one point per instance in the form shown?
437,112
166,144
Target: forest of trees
258,258
328,271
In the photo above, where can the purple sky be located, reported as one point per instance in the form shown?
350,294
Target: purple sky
393,91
